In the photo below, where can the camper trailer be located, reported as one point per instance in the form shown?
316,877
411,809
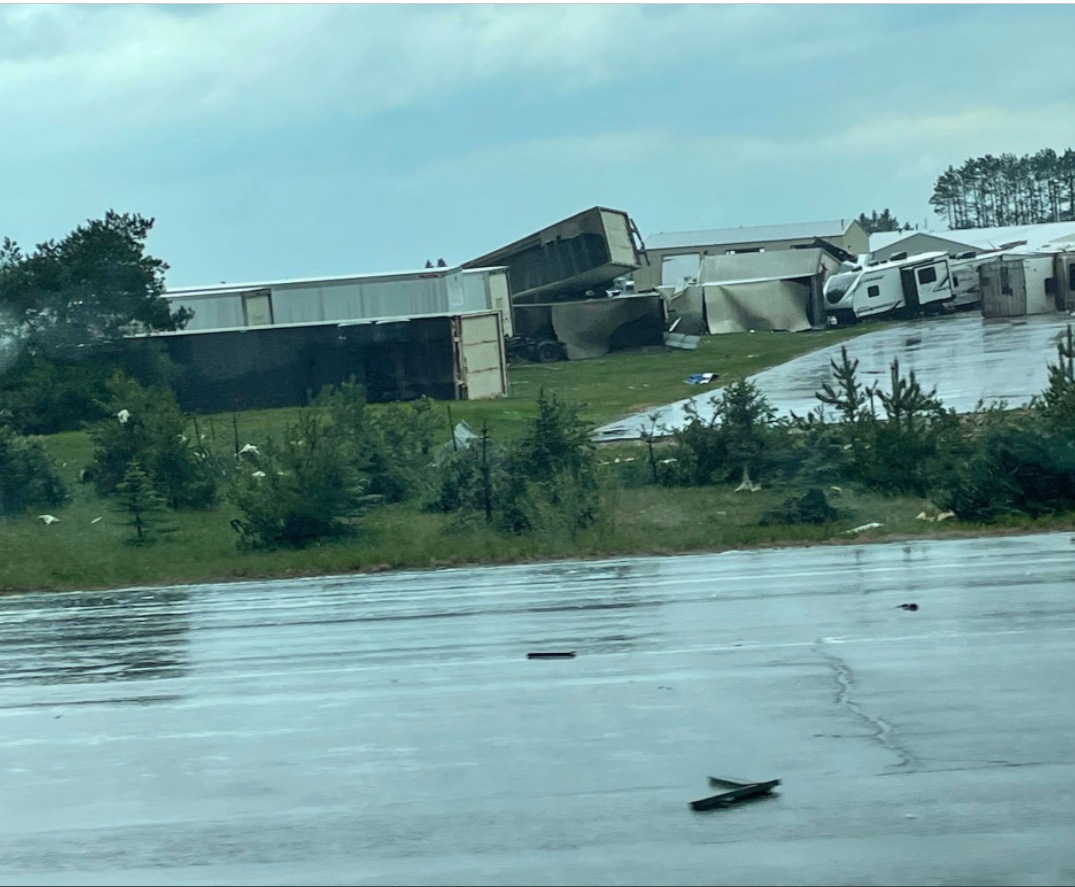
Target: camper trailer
966,284
903,284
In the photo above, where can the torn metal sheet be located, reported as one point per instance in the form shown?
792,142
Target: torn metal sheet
681,340
738,791
686,310
756,305
593,327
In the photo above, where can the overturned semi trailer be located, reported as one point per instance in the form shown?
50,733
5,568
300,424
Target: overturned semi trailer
447,357
577,257
429,291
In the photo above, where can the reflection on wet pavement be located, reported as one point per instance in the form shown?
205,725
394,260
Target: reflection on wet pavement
968,359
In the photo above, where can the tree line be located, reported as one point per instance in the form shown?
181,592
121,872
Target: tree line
996,191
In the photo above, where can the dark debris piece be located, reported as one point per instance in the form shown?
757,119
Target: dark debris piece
742,792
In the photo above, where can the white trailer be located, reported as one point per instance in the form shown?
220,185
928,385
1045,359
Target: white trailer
905,285
431,291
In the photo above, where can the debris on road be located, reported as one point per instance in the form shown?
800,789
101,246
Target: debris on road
740,791
911,607
551,655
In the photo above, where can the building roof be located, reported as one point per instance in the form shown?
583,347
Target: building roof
1035,236
794,231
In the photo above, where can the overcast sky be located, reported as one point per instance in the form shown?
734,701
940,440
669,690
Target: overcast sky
302,140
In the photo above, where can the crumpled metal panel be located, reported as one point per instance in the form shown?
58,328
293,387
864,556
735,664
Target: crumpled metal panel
765,305
593,327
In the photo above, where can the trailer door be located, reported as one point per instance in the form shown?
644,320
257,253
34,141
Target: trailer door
910,290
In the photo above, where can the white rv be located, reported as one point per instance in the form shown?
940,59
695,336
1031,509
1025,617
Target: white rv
903,284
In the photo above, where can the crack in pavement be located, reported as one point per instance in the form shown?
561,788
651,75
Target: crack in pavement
883,732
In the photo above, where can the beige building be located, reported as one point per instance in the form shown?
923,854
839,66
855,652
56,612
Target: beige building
674,257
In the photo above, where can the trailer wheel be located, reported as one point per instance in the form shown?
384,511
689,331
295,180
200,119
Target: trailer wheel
549,351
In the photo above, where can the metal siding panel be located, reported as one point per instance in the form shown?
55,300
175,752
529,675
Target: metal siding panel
213,314
297,305
475,297
455,293
345,302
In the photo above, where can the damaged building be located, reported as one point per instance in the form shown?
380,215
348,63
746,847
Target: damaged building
675,258
736,292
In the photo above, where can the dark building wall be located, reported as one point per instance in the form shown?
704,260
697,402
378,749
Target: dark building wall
280,366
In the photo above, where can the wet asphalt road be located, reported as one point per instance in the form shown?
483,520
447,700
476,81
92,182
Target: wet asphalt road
389,729
966,357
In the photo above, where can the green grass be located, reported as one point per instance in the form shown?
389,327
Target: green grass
80,553
76,553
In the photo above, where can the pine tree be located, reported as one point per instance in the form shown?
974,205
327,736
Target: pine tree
144,506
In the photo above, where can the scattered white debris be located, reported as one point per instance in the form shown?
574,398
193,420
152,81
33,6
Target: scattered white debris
944,515
48,519
747,485
258,474
872,525
836,489
123,416
249,448
95,520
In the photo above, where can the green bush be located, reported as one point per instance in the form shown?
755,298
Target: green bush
1056,404
910,448
146,425
471,479
810,508
28,475
47,395
391,447
1015,469
741,435
302,489
547,482
551,473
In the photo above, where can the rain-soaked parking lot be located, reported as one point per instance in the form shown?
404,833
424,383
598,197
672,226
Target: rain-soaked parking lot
967,358
390,729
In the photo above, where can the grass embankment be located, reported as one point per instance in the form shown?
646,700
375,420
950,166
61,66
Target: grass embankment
79,553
